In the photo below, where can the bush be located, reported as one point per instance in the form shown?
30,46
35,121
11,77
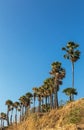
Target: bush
74,116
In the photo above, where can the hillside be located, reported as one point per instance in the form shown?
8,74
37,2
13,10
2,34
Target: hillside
68,117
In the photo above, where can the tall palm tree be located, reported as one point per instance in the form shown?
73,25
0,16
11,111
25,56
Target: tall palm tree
50,83
11,109
72,54
42,93
16,105
69,92
38,95
22,100
46,92
19,110
58,73
9,104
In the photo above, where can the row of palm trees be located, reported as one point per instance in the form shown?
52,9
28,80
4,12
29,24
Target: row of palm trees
20,106
47,93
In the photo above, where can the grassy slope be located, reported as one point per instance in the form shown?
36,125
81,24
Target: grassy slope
69,117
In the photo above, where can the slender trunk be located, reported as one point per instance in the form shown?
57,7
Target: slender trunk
1,122
42,104
55,98
22,110
16,116
46,101
56,94
25,109
72,78
11,120
70,97
51,101
20,116
8,117
72,74
39,107
34,104
42,101
11,117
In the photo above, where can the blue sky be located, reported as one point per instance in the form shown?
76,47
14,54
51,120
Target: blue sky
32,33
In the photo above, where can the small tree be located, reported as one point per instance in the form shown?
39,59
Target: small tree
69,92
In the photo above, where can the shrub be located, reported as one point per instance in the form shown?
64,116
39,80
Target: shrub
74,116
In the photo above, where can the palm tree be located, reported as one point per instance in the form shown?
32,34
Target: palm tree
19,110
46,92
3,117
16,105
69,92
9,104
38,95
39,98
73,55
22,100
11,109
42,93
50,83
58,73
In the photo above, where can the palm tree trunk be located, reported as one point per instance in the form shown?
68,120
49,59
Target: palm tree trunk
51,101
55,94
55,97
39,107
46,101
1,122
16,116
70,97
72,78
11,117
34,104
42,104
8,117
20,116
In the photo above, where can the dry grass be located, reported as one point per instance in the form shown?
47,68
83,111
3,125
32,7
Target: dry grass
69,117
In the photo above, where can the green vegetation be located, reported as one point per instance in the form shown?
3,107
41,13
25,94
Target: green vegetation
69,92
74,116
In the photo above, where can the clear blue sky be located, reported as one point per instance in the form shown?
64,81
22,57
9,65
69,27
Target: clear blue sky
32,33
